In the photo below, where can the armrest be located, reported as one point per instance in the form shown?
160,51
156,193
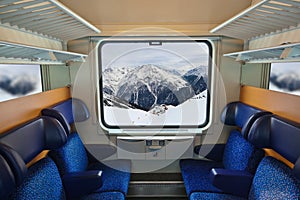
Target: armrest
236,182
77,184
210,151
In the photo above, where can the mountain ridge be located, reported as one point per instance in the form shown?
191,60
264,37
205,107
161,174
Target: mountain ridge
149,85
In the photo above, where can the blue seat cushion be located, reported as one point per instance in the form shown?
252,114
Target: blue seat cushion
274,180
42,182
104,196
213,196
115,175
71,157
195,174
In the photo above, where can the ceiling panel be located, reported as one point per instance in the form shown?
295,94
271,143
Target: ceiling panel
156,12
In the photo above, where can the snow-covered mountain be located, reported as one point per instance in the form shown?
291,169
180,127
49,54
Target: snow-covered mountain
146,86
17,85
286,81
197,77
112,77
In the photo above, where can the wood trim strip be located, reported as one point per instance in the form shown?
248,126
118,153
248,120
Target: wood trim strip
281,104
274,154
17,111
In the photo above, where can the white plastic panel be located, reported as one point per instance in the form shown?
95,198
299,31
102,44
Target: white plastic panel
288,52
266,17
46,17
29,53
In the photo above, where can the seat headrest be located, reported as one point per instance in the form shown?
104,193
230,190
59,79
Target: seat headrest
15,163
7,179
282,135
68,112
31,138
241,115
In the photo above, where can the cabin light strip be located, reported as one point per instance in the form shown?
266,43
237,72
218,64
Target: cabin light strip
280,53
266,17
37,54
45,17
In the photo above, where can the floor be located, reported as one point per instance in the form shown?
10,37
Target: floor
153,186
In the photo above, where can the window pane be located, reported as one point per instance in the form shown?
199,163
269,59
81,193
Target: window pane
154,84
285,77
19,80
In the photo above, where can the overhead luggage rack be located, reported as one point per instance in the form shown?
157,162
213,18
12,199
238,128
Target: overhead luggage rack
14,52
266,17
287,52
45,17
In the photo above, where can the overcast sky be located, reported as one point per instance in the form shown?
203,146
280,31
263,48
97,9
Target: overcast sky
278,68
167,55
12,70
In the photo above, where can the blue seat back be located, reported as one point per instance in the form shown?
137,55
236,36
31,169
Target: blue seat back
239,154
71,157
280,134
67,112
31,138
20,145
241,115
274,179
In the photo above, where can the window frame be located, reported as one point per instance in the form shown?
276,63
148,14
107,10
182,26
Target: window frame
209,103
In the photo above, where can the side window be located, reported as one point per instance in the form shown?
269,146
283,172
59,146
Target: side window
154,84
285,77
19,80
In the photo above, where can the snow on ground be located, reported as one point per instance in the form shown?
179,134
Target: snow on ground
191,112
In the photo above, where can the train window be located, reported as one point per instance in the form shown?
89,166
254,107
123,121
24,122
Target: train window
19,80
285,77
154,83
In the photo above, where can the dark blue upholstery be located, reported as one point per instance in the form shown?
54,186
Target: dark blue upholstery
195,174
104,196
238,153
241,115
274,180
15,162
72,157
113,179
213,196
68,112
7,179
235,182
38,134
42,182
271,131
